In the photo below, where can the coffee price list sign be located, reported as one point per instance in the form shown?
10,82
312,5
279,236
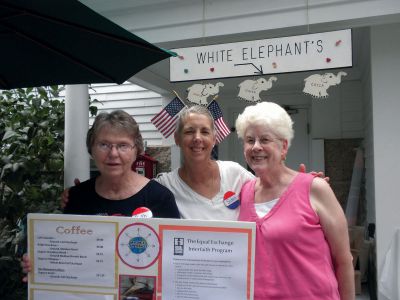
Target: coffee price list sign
112,258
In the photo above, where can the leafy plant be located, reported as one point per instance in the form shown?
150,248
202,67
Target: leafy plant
31,171
31,151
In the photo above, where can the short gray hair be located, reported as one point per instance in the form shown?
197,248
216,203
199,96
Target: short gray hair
268,114
117,119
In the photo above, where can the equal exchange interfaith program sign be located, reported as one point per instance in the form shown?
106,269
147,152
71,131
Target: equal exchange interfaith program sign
327,50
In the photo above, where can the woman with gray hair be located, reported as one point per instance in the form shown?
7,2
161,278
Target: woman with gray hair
204,188
302,245
114,141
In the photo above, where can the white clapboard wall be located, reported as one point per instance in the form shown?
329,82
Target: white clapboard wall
139,102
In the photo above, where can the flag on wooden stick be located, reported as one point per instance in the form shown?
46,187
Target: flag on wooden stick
222,129
165,120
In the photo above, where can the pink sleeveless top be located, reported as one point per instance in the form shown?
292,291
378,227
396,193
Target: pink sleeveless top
293,259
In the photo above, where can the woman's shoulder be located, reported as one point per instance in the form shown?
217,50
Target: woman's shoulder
167,178
229,164
234,169
156,187
84,186
81,197
319,186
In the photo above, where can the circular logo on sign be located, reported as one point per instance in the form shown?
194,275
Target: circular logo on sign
231,200
138,245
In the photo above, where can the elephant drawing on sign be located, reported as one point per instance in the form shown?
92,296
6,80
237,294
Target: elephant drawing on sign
198,93
316,85
250,89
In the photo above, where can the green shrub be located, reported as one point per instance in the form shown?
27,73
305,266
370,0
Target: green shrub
31,170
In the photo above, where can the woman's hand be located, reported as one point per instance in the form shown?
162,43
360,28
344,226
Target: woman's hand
65,194
302,169
26,266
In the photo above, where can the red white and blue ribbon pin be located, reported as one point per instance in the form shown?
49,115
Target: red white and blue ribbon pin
142,212
231,200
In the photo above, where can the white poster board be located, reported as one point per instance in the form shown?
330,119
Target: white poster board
115,258
326,50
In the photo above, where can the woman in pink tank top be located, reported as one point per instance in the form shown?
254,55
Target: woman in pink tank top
302,244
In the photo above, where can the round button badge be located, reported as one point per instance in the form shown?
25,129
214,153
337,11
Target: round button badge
142,212
231,200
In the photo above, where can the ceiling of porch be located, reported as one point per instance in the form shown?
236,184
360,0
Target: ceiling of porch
156,77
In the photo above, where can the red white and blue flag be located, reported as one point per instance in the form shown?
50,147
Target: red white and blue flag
165,120
222,129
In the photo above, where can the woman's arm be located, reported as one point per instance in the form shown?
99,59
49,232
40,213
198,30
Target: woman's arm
334,225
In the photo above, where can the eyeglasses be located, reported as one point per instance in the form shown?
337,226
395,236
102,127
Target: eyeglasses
121,148
264,140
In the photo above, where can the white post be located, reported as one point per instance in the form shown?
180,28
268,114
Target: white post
76,157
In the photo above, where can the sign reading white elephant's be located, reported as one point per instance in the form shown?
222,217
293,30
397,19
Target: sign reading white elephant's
327,50
109,258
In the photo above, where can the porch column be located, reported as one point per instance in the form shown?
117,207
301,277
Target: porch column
385,66
76,157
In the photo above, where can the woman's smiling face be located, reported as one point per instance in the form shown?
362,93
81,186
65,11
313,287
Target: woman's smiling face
262,149
196,138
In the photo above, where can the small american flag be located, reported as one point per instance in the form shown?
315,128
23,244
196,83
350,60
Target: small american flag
222,129
165,120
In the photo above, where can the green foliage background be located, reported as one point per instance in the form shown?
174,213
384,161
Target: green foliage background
31,171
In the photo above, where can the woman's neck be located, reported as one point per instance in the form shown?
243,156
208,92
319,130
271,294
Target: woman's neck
204,179
199,172
270,185
116,188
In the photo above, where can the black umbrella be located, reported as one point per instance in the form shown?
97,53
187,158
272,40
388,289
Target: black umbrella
48,42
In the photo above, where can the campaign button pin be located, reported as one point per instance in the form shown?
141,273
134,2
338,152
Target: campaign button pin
142,212
231,200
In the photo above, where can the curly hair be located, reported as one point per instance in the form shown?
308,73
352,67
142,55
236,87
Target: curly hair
268,114
117,119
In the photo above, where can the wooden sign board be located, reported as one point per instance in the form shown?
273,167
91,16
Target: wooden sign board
327,50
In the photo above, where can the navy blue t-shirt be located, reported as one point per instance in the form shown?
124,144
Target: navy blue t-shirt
83,200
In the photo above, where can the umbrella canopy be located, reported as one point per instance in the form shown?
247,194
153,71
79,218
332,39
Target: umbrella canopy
48,42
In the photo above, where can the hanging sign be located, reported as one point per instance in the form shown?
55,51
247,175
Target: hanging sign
327,50
317,85
249,89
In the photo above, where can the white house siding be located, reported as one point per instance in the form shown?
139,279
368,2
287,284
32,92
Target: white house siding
139,102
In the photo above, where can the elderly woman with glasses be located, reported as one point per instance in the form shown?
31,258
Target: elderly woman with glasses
114,141
302,244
